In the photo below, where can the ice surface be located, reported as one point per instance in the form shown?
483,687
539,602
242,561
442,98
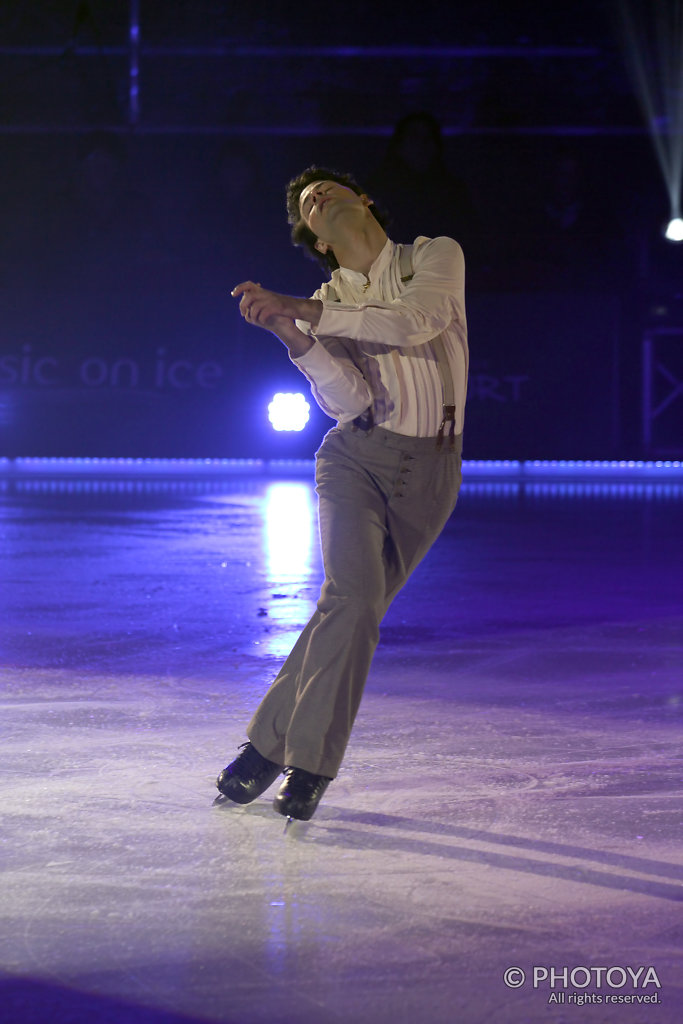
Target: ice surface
511,795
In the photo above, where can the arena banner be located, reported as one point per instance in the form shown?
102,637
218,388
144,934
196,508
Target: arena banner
543,382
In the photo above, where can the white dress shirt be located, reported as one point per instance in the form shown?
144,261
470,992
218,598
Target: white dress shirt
372,346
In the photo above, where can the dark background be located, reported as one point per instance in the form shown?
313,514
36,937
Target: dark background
124,225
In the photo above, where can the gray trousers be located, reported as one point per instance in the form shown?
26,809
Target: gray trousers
383,500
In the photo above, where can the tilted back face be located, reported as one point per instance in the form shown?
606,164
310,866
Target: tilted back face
300,187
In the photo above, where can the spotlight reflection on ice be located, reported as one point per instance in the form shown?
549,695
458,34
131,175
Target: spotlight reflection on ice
290,524
289,531
288,412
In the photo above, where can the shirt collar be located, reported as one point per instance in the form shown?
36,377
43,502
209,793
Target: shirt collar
354,277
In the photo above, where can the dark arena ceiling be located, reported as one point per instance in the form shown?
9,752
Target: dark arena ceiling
283,68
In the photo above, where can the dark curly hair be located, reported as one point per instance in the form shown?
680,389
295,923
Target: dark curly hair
301,233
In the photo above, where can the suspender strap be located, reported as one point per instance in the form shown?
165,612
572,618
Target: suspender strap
405,262
442,364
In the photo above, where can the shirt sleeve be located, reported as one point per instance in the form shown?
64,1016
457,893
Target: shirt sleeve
337,384
430,302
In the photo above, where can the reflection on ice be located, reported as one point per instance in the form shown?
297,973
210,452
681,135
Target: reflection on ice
288,540
288,545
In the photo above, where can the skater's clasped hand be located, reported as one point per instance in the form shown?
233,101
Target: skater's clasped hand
264,308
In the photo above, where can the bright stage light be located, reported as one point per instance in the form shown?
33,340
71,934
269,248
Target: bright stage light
288,412
674,230
652,35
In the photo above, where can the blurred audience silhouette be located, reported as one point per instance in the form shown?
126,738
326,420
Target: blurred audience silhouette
419,191
566,235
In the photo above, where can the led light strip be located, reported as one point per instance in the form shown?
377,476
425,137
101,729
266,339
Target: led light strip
496,468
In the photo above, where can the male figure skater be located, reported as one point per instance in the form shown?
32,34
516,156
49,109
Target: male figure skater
384,346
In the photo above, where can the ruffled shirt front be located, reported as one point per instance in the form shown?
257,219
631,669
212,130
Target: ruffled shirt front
373,344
